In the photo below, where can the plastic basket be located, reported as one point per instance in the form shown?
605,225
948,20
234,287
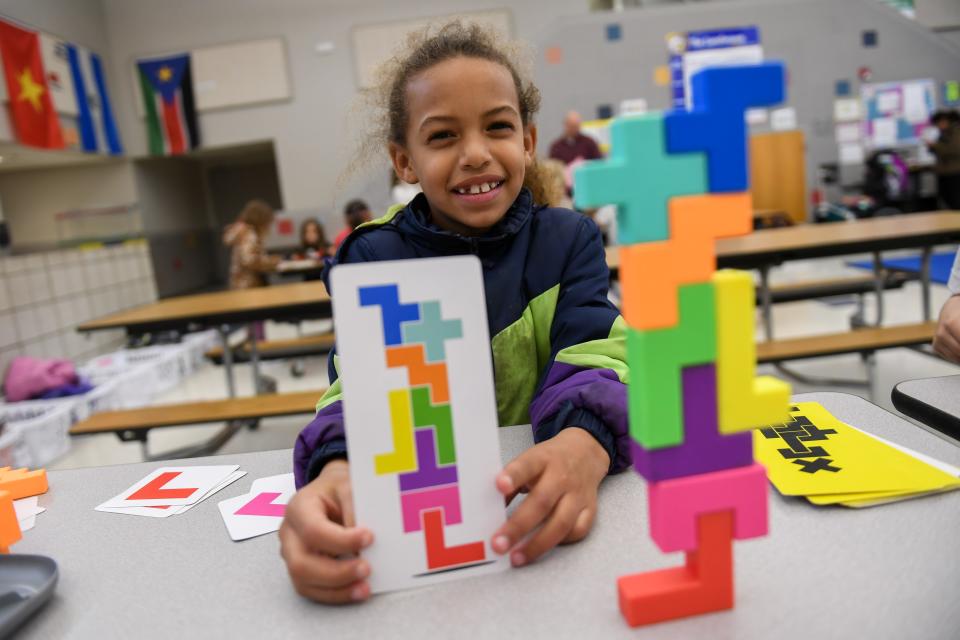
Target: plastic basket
36,436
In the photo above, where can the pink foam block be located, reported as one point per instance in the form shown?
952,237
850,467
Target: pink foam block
676,504
412,503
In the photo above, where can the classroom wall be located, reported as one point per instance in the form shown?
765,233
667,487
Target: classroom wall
32,198
312,144
820,40
176,222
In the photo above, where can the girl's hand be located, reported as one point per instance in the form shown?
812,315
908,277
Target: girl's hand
561,476
946,340
319,542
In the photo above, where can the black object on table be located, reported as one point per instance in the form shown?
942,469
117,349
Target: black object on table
933,401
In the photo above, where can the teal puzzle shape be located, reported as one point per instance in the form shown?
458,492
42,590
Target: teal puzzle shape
640,177
432,330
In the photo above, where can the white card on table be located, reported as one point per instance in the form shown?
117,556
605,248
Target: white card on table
420,416
260,511
172,486
165,511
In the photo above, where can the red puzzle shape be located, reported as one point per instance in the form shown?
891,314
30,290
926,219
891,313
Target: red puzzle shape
703,585
439,555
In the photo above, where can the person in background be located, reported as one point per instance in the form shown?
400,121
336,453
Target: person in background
356,213
249,262
947,151
573,147
313,241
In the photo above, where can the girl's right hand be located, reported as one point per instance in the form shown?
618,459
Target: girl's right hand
320,542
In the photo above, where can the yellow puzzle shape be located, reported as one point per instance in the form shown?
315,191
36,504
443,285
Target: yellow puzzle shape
403,458
745,402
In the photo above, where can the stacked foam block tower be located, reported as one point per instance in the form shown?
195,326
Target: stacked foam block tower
680,182
16,484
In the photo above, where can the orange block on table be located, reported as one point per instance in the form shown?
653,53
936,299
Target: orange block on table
9,527
651,272
705,584
20,483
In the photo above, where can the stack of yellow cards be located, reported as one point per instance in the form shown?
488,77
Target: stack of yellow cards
829,462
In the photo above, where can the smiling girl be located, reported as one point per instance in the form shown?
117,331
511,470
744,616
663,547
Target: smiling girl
458,120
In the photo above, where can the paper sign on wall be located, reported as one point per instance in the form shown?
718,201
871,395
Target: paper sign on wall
420,417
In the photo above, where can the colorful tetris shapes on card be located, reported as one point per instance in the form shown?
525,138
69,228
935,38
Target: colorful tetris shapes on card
703,585
687,257
640,177
675,505
716,123
20,483
746,402
704,448
411,401
9,525
657,358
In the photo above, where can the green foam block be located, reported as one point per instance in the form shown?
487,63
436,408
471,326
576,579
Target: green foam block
657,358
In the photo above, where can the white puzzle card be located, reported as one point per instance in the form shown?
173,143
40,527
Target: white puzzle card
172,486
420,416
260,511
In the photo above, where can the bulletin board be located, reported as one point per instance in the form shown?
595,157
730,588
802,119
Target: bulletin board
375,43
897,113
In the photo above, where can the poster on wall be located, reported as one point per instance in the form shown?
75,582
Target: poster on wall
693,50
897,113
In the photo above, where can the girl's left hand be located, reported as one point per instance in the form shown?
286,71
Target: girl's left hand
562,476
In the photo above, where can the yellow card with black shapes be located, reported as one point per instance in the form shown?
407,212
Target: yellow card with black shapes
816,454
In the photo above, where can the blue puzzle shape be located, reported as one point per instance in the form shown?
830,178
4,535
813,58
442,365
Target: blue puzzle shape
432,330
716,124
393,314
639,177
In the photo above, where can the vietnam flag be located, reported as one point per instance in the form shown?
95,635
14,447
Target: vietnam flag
167,88
31,107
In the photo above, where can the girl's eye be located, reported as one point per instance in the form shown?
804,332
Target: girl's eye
439,135
502,124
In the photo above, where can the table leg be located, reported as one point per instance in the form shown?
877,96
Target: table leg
878,286
255,359
224,331
925,281
766,302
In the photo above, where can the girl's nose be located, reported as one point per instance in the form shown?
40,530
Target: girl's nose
475,153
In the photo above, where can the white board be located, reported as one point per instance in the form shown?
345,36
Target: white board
245,73
375,43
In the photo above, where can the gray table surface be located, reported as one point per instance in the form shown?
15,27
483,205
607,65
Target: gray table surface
887,572
942,393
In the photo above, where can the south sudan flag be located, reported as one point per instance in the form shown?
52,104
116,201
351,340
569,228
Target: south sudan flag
167,88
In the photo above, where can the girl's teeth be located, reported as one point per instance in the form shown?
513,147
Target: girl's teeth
474,189
478,188
485,187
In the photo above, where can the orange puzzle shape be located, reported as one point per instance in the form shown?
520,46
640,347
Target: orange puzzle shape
20,483
9,527
703,585
651,272
419,371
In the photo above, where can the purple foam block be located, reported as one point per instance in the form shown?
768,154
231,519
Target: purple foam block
704,448
429,474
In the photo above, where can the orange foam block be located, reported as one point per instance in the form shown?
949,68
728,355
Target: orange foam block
703,585
20,483
9,526
675,505
419,371
651,272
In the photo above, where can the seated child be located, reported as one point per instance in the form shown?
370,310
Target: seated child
356,213
458,119
313,242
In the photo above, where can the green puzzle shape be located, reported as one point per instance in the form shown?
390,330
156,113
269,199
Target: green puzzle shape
427,414
657,358
640,177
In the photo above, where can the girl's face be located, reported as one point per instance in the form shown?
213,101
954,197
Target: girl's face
311,235
465,143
